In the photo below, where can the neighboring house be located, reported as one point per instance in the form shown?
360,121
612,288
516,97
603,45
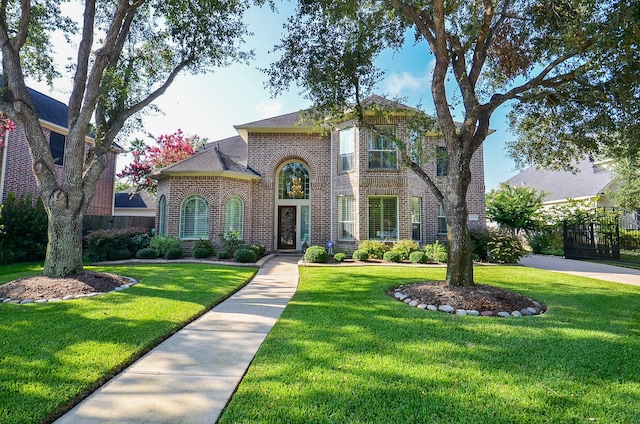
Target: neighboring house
282,184
140,204
588,184
16,173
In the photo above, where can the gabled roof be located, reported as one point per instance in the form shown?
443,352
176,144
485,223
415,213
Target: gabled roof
50,109
224,156
591,180
141,200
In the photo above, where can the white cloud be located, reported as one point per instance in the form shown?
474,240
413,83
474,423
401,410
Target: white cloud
269,108
398,84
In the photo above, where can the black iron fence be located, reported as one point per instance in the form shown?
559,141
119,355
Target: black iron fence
603,233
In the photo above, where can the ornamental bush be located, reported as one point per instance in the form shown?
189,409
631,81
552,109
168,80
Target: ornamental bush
162,243
316,254
392,256
339,257
436,252
375,249
405,247
23,230
147,253
223,254
109,245
245,255
361,255
203,247
173,253
122,254
418,257
258,250
505,248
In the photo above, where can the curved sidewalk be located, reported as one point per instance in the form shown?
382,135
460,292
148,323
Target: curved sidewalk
190,377
605,272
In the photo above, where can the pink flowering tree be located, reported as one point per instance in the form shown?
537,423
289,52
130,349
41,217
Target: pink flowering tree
6,124
147,159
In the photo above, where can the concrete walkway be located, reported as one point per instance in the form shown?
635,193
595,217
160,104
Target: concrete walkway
583,268
190,377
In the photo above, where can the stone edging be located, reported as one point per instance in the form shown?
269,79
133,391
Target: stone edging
536,310
132,282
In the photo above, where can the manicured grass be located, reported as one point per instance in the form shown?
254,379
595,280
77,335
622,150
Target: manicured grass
345,352
53,353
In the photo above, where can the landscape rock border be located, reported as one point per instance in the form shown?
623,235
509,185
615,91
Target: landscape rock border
537,309
132,282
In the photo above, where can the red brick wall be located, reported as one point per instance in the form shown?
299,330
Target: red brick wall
19,178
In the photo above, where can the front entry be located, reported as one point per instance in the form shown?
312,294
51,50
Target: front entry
287,227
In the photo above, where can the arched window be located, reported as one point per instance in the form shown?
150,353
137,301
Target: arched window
293,181
234,216
194,218
162,212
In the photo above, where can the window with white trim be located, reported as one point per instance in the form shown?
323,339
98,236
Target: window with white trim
347,149
383,152
234,216
383,218
442,220
346,218
416,218
162,212
442,161
194,218
57,143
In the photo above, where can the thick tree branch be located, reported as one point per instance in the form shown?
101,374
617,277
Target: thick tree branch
82,68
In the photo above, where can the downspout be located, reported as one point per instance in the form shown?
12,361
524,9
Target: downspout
331,210
4,164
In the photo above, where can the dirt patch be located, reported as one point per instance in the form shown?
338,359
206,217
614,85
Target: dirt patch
478,297
41,287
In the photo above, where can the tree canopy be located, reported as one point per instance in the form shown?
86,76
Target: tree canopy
515,208
547,58
128,52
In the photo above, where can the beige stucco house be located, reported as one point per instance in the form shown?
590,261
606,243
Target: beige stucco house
285,184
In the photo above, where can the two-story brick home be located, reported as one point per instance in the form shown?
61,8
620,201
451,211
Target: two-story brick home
281,184
16,166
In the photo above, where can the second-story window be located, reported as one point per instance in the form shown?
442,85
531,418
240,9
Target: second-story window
383,152
442,162
347,149
56,144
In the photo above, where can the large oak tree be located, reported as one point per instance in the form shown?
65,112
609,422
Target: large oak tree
561,63
128,53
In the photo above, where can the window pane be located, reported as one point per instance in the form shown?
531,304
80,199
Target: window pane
442,221
305,224
194,218
346,213
162,226
293,182
442,162
383,218
233,216
416,218
382,148
56,144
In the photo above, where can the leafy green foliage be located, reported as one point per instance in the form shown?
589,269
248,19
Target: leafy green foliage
360,255
515,208
203,247
339,257
231,242
504,248
245,255
404,248
316,254
23,230
418,257
436,252
479,241
108,245
375,249
173,253
392,256
162,243
624,190
147,253
258,250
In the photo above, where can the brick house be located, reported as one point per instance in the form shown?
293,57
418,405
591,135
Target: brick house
16,173
282,183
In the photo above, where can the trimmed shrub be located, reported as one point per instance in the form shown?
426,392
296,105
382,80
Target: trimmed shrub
104,245
479,244
162,243
258,250
204,249
245,255
140,241
339,257
405,247
147,253
23,230
231,242
505,248
316,254
122,254
375,249
393,256
201,253
360,255
436,252
418,257
173,253
223,254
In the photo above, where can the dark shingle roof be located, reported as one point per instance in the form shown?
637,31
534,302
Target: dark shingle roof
50,109
590,181
283,121
141,199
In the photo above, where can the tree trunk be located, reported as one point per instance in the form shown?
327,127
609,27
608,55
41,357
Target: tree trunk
64,249
459,255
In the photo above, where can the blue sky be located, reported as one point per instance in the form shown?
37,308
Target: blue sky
210,105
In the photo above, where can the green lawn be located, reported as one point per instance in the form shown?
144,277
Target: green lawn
50,354
345,352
